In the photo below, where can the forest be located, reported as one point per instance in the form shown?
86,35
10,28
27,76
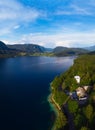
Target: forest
81,114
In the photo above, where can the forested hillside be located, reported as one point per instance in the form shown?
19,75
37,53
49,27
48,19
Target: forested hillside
63,51
28,48
6,51
83,113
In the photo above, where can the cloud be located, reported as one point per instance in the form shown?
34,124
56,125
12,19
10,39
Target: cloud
75,39
78,7
14,14
13,10
81,10
16,26
74,10
20,23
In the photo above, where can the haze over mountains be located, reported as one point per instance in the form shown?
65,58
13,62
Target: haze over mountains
30,49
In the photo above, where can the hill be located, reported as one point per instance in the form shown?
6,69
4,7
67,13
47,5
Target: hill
6,51
63,51
30,48
91,48
59,49
37,50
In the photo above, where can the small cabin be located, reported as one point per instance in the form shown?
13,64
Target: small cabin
81,92
86,88
77,78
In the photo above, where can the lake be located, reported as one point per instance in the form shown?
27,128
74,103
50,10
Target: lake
24,88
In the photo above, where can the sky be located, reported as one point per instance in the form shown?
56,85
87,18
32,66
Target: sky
49,23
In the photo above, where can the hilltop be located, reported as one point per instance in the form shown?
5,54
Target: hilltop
64,51
28,48
5,51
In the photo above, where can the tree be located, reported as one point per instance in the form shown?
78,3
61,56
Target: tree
61,121
73,106
89,112
79,120
84,128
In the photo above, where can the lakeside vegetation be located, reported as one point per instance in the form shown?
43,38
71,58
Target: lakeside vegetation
80,115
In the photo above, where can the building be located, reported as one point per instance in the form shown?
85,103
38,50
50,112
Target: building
86,88
81,92
77,78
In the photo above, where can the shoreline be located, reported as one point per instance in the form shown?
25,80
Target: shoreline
54,107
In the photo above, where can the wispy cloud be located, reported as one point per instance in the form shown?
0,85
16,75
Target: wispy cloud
74,10
75,39
13,10
81,10
16,26
13,14
78,7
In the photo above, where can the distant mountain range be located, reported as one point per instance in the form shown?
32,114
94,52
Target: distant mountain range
59,49
31,49
64,51
91,48
28,48
21,49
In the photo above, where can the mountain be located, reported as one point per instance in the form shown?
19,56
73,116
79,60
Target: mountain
63,51
6,51
21,49
3,47
48,49
91,48
33,49
29,48
59,49
91,53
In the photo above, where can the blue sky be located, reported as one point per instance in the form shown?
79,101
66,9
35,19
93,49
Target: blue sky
49,23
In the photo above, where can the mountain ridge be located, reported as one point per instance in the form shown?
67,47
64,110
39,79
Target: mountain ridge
33,49
90,48
5,51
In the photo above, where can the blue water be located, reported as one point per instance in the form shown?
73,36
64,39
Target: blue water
24,87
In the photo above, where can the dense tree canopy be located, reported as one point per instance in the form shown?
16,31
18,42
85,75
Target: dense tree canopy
84,115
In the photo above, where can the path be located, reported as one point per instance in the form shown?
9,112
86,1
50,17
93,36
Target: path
56,104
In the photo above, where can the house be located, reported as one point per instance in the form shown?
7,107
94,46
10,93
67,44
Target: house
86,88
81,92
77,78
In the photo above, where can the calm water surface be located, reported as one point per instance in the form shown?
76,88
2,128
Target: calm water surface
24,87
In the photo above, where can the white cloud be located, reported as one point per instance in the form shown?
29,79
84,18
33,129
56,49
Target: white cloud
81,10
13,14
75,39
74,10
16,26
77,7
7,28
13,10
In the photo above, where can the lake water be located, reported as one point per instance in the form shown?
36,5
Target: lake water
24,87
